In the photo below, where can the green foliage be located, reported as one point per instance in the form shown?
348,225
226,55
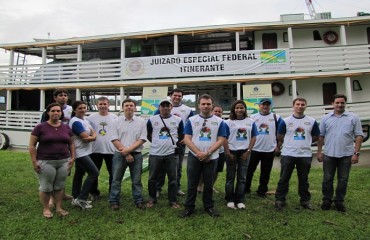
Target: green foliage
21,212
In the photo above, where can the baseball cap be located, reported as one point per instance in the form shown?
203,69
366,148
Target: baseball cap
264,100
165,102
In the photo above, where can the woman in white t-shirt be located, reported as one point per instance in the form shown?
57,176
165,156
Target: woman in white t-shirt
242,136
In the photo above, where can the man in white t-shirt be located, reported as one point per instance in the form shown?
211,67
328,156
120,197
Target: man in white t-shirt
297,132
265,147
102,147
164,131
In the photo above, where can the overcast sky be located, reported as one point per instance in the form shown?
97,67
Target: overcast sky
23,20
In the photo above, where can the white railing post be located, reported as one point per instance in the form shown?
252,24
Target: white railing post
43,63
290,37
175,44
294,89
8,100
42,100
238,91
123,55
348,89
11,63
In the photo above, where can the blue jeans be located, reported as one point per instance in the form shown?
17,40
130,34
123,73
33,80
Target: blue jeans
343,166
156,164
266,159
98,161
119,165
236,168
162,177
194,170
84,164
303,165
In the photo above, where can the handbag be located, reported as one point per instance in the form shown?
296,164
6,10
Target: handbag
177,149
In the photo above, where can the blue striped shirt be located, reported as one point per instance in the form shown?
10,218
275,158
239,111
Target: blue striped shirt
339,133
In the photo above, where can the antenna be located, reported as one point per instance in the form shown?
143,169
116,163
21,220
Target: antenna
311,9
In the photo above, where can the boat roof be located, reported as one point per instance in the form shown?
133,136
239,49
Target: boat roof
69,44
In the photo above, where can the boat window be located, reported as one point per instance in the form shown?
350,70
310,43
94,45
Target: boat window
316,35
246,40
149,47
269,40
212,42
101,50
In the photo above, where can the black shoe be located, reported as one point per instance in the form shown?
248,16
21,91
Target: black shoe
340,207
212,212
326,205
261,195
140,205
186,213
307,206
279,205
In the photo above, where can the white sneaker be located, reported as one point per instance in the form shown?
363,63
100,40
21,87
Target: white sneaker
81,203
231,205
241,205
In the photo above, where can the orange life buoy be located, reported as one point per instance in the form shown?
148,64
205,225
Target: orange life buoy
330,37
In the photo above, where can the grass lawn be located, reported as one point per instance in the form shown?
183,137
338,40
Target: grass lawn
21,212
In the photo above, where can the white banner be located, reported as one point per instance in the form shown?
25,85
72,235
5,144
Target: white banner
206,64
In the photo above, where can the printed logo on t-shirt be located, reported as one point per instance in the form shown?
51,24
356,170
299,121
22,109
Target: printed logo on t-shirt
205,132
263,129
163,134
241,134
299,134
102,131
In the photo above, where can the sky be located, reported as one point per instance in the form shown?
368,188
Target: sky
24,20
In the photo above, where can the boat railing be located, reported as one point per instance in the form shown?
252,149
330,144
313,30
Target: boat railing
26,120
307,60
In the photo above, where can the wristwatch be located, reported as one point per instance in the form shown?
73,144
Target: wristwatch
357,154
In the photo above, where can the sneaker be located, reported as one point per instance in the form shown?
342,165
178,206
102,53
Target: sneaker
307,206
81,203
231,205
340,207
212,212
326,205
180,193
241,205
279,205
94,197
186,213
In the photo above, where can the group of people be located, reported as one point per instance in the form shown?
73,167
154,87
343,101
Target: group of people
66,135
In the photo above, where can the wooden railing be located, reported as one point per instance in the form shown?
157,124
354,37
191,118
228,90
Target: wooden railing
305,60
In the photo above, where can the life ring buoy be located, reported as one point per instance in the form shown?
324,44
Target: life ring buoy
277,88
4,141
330,37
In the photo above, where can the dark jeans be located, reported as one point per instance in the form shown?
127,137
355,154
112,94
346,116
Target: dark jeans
303,165
156,164
195,169
98,158
236,168
267,159
162,176
119,165
343,166
84,164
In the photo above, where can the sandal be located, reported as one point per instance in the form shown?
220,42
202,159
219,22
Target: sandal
47,215
150,204
62,213
175,205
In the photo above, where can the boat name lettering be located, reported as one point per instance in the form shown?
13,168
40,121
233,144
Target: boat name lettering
203,68
171,60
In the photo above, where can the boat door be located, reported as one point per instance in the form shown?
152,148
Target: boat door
269,40
328,91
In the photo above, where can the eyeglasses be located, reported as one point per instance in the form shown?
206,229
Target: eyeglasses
62,95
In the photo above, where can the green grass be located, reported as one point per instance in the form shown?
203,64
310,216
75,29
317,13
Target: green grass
21,218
